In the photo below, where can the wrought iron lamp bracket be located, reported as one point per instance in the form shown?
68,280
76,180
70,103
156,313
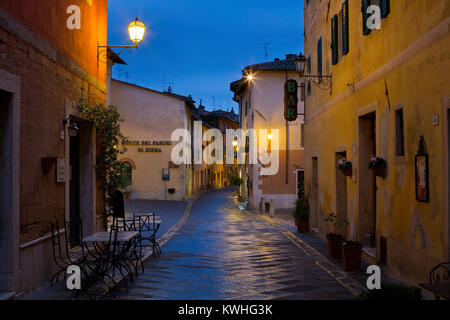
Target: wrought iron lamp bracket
102,51
322,82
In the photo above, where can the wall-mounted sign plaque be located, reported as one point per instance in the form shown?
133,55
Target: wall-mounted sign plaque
60,170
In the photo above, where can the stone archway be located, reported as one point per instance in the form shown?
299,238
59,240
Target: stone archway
133,165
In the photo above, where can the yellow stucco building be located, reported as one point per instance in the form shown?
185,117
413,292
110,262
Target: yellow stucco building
390,87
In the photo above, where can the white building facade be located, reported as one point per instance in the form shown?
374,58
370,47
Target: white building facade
150,117
260,94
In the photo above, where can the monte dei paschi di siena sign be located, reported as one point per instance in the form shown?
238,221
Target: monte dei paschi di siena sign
148,143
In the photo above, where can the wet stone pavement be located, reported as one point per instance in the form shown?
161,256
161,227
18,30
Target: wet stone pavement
224,253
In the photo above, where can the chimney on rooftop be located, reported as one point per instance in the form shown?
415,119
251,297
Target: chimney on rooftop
291,57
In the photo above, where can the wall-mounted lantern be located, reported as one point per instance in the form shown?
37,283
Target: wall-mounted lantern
72,127
322,82
136,31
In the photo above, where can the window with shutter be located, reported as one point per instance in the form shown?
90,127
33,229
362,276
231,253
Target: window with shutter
345,33
308,66
385,7
365,16
126,173
334,39
319,59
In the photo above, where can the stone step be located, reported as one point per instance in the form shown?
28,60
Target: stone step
7,295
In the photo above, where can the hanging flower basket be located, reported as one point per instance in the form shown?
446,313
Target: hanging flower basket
380,172
378,165
346,167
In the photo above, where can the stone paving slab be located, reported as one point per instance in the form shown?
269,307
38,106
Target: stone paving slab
222,252
284,219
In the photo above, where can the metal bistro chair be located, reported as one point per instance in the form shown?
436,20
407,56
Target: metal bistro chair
57,248
440,278
147,223
123,254
63,257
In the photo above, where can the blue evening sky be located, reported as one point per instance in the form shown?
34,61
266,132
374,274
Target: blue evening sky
199,47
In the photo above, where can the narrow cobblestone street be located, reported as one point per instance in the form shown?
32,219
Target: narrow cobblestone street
222,252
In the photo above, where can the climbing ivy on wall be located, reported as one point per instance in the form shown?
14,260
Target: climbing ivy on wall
111,143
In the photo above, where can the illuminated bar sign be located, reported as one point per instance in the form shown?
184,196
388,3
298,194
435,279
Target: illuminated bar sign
290,100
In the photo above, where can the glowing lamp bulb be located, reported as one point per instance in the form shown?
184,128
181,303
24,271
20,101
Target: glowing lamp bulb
136,30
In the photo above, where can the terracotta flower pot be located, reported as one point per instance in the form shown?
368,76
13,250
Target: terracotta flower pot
303,226
352,257
334,251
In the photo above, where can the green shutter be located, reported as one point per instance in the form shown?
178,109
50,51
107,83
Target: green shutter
308,66
345,33
385,6
319,58
334,39
365,16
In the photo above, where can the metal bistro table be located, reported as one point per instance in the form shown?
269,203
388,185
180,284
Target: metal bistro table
122,236
115,252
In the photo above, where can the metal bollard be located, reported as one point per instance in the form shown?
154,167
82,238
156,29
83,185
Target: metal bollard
263,205
272,207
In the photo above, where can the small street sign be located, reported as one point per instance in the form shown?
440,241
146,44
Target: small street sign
166,174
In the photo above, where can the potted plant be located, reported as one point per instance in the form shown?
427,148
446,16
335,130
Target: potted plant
393,292
351,251
235,181
345,166
378,165
301,215
334,238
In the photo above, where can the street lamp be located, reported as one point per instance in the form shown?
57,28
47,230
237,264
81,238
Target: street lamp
136,31
300,64
324,82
